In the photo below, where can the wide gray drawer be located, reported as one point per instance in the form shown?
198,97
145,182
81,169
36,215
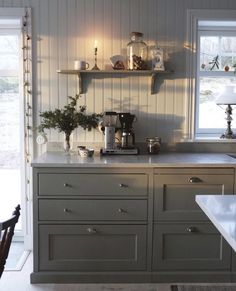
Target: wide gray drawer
174,195
189,247
65,209
92,247
92,184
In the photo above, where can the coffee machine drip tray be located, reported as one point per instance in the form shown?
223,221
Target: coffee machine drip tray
119,151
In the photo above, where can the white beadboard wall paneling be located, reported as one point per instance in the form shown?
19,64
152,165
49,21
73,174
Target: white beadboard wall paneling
179,66
134,15
80,54
108,23
99,83
62,51
116,50
170,13
125,30
156,113
53,61
44,37
72,49
66,30
154,32
90,35
144,88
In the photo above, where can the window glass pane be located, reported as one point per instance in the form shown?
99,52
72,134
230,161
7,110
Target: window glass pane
217,52
209,49
211,115
9,52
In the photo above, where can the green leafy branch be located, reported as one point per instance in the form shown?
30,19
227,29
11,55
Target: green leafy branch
68,118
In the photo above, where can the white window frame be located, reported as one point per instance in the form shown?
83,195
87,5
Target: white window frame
210,31
191,45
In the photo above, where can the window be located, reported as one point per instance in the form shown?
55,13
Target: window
216,61
211,63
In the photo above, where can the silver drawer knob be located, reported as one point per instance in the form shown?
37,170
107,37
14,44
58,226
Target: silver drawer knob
121,185
66,210
121,210
191,229
91,230
194,180
66,185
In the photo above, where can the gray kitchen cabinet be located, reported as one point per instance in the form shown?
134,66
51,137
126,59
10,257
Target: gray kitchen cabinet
183,237
191,246
127,225
85,183
89,221
93,209
92,247
175,191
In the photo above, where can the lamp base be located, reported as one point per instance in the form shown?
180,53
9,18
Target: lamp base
228,136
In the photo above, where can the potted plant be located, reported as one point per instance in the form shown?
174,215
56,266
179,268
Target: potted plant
67,119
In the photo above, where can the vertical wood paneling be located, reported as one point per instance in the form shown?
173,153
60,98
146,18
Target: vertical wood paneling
108,104
90,35
66,30
80,43
53,61
169,98
99,84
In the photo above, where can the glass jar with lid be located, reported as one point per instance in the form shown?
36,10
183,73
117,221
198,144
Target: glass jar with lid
153,145
137,52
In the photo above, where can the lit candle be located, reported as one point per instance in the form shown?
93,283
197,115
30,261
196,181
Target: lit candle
95,46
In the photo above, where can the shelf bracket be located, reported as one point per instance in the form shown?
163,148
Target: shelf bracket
80,83
153,82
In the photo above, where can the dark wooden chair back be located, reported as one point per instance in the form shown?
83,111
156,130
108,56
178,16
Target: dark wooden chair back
7,231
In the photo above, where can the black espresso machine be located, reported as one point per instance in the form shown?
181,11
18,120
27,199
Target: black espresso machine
125,137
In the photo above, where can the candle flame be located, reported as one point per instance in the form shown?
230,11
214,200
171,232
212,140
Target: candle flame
95,44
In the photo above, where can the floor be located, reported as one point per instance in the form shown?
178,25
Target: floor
15,253
20,281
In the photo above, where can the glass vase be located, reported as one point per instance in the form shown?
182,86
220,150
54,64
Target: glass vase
68,143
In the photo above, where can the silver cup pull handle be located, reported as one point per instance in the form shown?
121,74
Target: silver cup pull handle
194,180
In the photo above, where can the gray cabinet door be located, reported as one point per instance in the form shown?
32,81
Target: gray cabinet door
92,247
92,184
174,195
189,247
93,209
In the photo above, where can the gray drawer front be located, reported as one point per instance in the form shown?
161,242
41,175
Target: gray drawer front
64,209
175,248
92,247
92,184
174,195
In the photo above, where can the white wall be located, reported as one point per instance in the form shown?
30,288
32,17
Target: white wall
65,30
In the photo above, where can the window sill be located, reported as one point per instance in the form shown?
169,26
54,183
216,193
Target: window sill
209,140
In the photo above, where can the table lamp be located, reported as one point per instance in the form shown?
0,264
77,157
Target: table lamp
228,97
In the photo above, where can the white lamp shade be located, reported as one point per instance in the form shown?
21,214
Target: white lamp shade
228,96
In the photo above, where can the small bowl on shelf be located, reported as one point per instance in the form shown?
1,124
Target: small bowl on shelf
85,153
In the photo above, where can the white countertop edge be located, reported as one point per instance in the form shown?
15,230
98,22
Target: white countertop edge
200,202
164,160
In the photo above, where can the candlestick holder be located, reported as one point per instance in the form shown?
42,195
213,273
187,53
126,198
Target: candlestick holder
95,67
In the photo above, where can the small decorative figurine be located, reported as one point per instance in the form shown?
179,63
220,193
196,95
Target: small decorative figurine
157,59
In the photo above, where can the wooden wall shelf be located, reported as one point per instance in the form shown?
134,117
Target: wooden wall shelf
82,73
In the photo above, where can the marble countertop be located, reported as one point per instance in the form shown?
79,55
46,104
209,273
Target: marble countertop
221,210
59,159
